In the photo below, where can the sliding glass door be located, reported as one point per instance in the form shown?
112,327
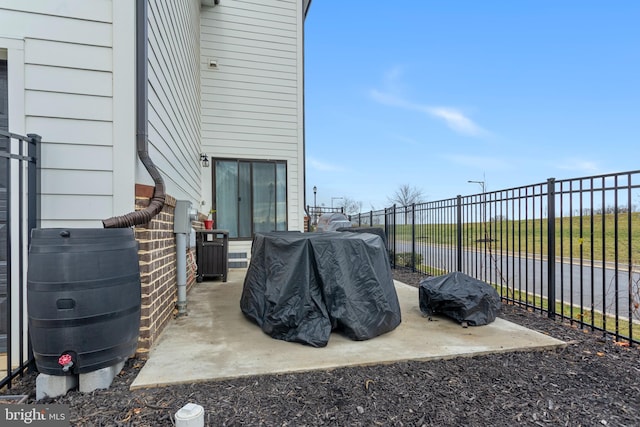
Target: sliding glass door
250,196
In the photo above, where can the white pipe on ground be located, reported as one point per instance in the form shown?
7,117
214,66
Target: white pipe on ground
190,415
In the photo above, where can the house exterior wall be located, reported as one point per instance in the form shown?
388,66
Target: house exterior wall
72,80
158,270
252,102
71,67
174,97
64,86
78,68
174,146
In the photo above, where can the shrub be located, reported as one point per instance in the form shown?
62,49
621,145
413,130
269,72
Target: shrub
404,259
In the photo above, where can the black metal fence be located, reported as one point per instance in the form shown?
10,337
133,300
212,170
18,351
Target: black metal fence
315,212
568,248
18,212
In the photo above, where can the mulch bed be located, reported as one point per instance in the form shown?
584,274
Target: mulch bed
594,381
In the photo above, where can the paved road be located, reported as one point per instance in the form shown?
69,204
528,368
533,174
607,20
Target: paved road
580,285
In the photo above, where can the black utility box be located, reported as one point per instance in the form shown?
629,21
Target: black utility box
212,254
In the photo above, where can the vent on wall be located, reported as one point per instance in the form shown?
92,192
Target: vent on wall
209,3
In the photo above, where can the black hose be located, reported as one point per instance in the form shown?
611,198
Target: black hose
155,205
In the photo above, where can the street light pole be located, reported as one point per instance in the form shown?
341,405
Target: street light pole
484,206
478,182
335,198
315,207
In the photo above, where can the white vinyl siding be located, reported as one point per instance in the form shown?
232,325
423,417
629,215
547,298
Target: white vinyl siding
76,68
94,10
252,102
68,80
76,73
68,55
68,91
174,96
57,131
92,30
40,103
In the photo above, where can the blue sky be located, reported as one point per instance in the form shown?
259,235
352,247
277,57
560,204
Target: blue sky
433,93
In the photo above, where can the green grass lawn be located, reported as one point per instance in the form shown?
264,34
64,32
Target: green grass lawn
597,237
586,317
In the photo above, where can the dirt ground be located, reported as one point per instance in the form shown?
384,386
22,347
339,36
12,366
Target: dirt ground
594,381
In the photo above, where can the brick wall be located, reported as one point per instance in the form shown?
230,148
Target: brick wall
157,257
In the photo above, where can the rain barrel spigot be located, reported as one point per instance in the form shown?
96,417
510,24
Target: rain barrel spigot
66,361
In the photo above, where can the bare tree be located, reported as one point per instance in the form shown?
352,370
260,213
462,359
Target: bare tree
406,195
351,206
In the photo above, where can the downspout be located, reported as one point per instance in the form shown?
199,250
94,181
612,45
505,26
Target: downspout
181,272
305,4
142,144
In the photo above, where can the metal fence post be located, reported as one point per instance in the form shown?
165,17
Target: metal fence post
413,237
395,230
551,247
459,232
387,233
520,239
33,183
21,217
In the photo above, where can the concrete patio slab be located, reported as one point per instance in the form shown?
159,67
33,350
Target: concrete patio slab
215,341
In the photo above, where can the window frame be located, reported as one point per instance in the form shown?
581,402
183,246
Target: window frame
14,51
251,162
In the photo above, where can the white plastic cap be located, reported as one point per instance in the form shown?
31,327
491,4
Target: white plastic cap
190,415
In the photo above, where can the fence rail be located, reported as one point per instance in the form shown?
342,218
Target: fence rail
568,248
18,212
315,212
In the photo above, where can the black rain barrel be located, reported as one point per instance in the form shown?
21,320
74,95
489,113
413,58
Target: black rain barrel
83,297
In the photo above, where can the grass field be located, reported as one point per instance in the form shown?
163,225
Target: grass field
601,238
588,318
597,237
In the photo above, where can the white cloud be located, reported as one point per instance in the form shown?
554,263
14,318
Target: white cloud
390,100
578,165
405,139
455,119
393,74
323,167
479,162
392,81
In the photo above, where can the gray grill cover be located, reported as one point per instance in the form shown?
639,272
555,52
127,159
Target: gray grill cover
301,286
333,221
461,297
